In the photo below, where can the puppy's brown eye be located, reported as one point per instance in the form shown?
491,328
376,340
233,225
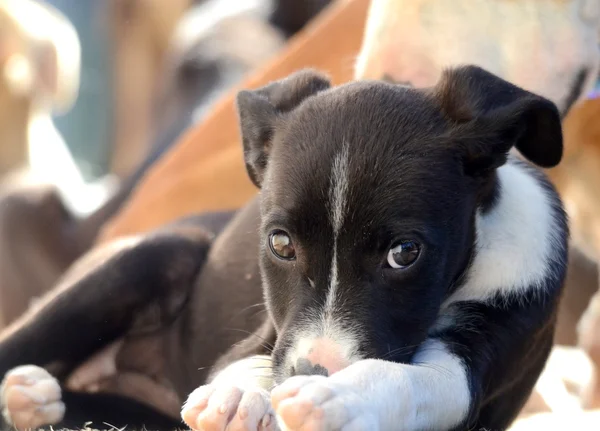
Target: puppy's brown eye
403,254
281,245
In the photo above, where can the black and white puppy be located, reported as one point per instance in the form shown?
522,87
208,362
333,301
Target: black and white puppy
411,267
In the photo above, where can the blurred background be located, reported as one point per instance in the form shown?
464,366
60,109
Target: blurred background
90,87
93,93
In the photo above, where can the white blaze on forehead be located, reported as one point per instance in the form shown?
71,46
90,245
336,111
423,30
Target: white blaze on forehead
338,189
338,195
324,323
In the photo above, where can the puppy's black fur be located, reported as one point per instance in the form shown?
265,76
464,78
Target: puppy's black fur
346,175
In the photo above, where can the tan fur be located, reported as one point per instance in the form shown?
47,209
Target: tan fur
39,71
577,179
539,45
578,175
51,51
141,32
40,58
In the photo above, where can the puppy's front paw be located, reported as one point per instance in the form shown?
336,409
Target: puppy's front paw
311,403
216,408
30,398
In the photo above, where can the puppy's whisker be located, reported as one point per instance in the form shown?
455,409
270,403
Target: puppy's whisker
204,368
435,367
258,304
266,367
255,335
267,348
399,350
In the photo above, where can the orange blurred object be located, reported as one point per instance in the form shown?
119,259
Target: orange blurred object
205,170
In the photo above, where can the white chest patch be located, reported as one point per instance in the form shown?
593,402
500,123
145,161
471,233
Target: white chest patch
515,241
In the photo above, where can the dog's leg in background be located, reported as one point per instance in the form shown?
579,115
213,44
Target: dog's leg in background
87,313
579,316
589,340
239,393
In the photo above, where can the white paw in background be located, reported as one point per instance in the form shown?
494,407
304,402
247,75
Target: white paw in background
30,397
216,408
311,403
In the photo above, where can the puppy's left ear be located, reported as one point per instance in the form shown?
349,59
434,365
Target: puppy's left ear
491,115
259,110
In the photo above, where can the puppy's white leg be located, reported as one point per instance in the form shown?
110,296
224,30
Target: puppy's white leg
238,399
379,395
30,398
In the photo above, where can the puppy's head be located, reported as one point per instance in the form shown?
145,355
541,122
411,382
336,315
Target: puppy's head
369,193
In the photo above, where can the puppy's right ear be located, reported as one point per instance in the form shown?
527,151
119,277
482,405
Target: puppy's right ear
259,111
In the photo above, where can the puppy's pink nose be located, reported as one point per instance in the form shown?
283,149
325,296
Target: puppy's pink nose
324,357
